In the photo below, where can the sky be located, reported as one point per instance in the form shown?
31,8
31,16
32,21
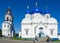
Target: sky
19,9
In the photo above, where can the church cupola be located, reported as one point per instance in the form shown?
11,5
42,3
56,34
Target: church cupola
47,13
8,15
9,11
27,10
36,9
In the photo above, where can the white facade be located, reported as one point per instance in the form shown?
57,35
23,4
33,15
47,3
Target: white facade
7,25
39,25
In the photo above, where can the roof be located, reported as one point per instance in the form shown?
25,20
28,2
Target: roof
46,12
9,11
35,10
7,22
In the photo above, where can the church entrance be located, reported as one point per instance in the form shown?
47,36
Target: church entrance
41,35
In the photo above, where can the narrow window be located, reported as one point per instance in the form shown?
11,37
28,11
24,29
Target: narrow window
8,34
51,32
7,18
26,32
47,16
8,25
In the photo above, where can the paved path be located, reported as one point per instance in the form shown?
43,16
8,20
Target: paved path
19,41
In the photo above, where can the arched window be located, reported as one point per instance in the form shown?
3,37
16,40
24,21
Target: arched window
8,25
41,28
7,18
47,16
51,31
26,32
8,34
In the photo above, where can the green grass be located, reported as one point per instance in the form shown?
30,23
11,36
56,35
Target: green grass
16,38
27,39
56,41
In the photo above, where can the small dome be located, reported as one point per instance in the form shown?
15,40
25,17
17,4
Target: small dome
38,11
46,12
9,11
27,12
52,20
25,21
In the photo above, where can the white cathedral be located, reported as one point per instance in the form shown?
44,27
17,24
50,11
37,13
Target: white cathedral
37,25
7,25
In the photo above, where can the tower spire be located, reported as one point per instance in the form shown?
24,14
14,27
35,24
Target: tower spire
28,9
36,4
8,7
46,11
46,7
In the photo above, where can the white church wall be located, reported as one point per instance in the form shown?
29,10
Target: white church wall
26,20
6,26
35,20
20,34
30,32
37,15
6,32
54,28
47,16
59,37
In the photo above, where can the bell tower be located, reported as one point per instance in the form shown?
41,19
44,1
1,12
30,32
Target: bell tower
8,15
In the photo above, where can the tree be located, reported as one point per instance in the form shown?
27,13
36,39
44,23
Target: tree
0,32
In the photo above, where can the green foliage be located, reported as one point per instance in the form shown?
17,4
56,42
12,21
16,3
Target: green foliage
0,32
16,38
27,39
56,41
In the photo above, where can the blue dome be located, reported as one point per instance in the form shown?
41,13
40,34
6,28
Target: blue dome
36,10
27,12
46,12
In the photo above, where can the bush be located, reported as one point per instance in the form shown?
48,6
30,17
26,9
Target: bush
16,38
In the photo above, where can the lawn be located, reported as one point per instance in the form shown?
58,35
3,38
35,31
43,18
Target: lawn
56,41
